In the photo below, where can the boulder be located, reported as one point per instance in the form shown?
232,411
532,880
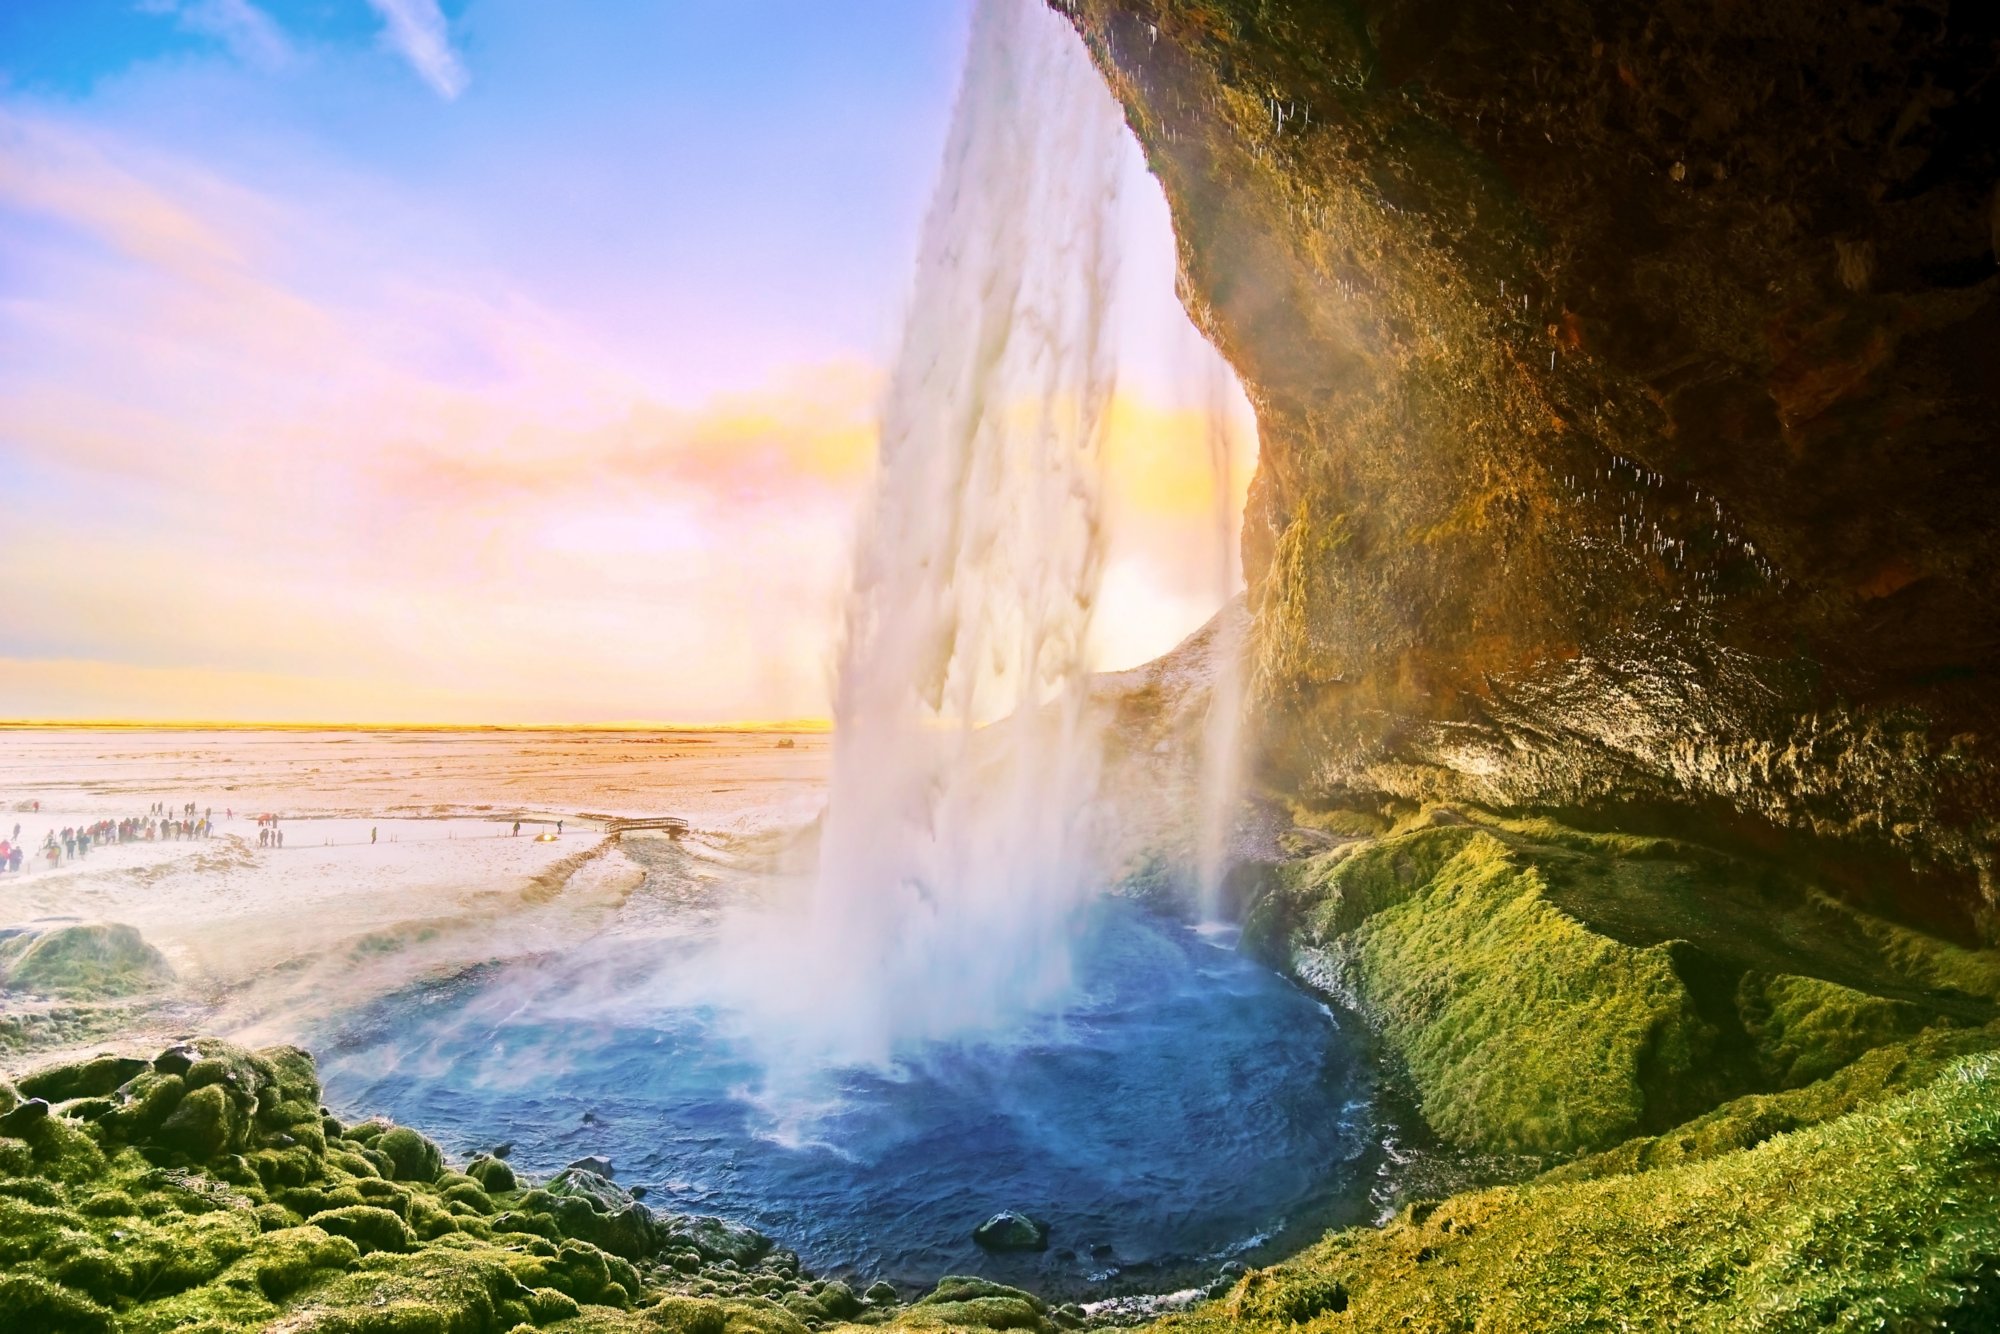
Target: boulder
204,1123
81,1079
980,1304
415,1158
23,1116
598,1210
720,1240
177,1059
596,1164
368,1227
491,1173
145,1102
838,1300
955,1288
1010,1230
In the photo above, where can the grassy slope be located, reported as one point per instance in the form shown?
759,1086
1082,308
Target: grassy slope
1824,1155
1884,1218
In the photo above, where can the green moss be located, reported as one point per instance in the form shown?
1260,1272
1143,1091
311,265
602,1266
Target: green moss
81,1079
1885,1218
1925,960
974,1303
469,1193
1746,1122
1805,1029
415,1158
1522,1030
491,1173
686,1315
203,1124
87,961
976,1313
143,1216
287,1260
370,1228
63,1151
31,1303
432,1292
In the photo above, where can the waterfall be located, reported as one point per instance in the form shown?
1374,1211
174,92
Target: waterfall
1221,779
952,858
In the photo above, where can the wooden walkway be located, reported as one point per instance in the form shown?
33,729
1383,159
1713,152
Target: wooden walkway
672,824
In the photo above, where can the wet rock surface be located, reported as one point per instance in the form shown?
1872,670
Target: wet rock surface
1627,379
1009,1230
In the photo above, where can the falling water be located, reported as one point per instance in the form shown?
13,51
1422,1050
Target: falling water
1221,741
951,857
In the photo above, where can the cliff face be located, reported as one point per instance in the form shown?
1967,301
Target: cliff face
1629,385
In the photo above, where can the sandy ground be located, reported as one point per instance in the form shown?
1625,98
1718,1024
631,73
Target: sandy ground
261,937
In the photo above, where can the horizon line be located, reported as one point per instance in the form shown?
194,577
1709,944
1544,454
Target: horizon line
801,725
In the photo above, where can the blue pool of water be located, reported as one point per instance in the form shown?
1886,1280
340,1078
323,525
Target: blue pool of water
1188,1106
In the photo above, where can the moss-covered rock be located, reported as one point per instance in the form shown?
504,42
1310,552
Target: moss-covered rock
30,1303
204,1123
959,1301
1522,1030
370,1228
414,1157
81,1079
491,1173
86,961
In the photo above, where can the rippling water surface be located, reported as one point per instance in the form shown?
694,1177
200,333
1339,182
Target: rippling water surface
1187,1106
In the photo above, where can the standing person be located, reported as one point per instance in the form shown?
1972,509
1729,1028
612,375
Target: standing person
281,838
517,828
371,835
559,829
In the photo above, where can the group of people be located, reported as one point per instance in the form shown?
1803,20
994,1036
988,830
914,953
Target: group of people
70,842
268,833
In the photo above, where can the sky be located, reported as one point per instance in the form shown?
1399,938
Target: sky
492,361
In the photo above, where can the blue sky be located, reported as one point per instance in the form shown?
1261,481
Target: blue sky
503,360
761,163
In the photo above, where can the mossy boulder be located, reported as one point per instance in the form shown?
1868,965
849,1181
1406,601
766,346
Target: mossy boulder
838,1300
977,1303
204,1123
82,1079
687,1315
1523,1030
289,1259
368,1227
82,961
29,1303
599,1210
493,1174
415,1158
719,1239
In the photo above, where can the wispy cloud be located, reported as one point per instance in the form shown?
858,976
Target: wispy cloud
251,35
418,32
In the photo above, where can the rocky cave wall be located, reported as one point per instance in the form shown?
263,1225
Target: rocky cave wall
1628,377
